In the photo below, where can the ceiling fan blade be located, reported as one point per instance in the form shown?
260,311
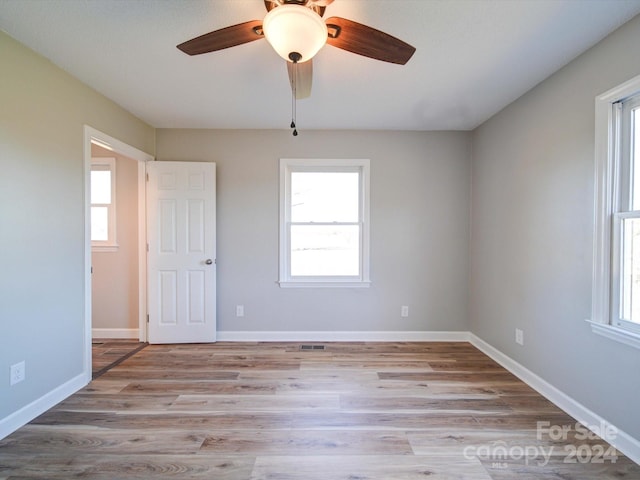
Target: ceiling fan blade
358,38
303,79
322,3
224,38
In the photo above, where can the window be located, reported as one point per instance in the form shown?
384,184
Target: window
103,204
616,278
324,223
626,224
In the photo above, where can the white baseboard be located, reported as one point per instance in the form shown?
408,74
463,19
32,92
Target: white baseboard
23,416
344,336
115,333
624,442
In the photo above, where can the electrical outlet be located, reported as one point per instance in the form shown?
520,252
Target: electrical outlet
239,310
404,311
17,373
519,337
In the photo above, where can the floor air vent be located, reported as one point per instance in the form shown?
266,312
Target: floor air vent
311,347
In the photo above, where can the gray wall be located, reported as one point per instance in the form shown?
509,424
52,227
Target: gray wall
531,230
532,233
419,228
42,114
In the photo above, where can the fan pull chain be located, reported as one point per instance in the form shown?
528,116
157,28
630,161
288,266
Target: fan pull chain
295,57
293,98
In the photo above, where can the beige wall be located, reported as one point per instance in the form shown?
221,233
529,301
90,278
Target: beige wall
114,280
42,114
419,228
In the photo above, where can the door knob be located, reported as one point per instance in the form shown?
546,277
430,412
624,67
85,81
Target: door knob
208,261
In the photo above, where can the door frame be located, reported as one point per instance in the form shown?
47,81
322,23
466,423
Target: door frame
91,135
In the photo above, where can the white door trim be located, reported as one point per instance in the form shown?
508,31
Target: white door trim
121,148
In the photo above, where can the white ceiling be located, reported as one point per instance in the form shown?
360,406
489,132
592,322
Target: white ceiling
473,58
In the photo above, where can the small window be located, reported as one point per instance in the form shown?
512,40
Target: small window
616,273
324,222
103,203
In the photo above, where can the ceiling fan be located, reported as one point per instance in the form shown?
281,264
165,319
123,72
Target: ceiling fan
297,32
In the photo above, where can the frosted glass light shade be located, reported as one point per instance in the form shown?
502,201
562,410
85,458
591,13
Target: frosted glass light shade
294,28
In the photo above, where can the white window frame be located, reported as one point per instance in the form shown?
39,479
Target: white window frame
289,165
608,216
111,244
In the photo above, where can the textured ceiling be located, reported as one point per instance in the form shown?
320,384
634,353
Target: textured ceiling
473,58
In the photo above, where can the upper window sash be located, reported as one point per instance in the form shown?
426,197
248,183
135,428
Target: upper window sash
106,164
624,113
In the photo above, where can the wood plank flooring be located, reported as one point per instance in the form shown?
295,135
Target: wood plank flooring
107,353
270,411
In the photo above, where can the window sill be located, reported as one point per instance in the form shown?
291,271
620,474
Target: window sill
104,248
312,284
616,334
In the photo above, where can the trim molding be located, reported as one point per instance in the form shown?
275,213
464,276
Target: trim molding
617,334
624,442
115,333
343,336
27,413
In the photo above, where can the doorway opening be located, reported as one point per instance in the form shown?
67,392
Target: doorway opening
99,142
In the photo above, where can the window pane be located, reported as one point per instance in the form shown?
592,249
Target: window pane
101,186
631,270
100,224
635,157
332,250
325,196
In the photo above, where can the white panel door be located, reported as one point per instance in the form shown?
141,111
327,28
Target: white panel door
181,231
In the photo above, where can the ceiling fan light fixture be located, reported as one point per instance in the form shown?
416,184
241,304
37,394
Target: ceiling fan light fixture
294,29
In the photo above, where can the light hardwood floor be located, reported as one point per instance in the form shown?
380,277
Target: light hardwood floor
269,411
107,353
